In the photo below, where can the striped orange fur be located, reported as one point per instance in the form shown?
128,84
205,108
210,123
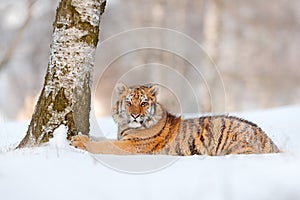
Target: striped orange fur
145,127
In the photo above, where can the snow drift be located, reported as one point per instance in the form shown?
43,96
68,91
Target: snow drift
58,171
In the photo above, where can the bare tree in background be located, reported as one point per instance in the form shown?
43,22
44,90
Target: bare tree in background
212,26
66,95
211,29
16,39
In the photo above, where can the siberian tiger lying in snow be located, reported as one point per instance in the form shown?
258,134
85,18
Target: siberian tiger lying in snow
145,127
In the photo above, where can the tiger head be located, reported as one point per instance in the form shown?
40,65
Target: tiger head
137,106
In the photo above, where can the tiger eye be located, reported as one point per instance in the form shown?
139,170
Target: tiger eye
144,104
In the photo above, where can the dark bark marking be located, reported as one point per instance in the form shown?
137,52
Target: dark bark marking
60,101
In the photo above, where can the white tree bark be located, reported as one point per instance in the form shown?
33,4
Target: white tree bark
65,98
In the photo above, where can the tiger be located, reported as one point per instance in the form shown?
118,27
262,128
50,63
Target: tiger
146,127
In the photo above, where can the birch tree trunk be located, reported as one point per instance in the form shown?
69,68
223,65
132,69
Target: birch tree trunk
66,96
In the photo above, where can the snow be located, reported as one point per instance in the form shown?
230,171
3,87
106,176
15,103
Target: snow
58,171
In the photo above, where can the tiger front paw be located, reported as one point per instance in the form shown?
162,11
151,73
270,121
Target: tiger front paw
80,141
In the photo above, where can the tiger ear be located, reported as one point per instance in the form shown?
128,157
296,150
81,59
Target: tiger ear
121,88
153,89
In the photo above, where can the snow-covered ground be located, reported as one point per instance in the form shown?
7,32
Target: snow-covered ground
58,171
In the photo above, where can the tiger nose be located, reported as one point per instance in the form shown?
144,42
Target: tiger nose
135,115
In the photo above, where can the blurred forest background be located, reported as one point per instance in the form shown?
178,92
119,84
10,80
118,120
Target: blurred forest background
255,45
